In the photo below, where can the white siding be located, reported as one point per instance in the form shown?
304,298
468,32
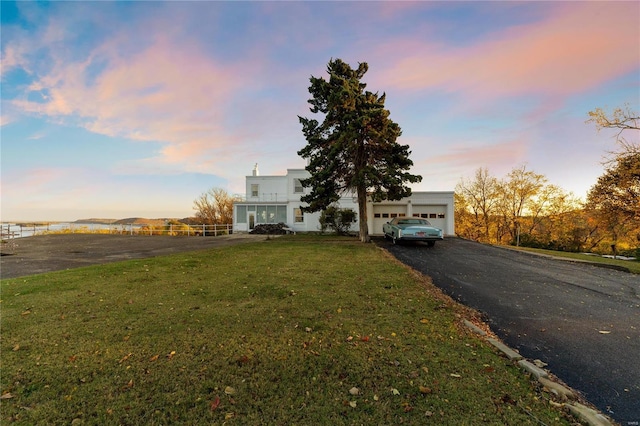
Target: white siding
282,190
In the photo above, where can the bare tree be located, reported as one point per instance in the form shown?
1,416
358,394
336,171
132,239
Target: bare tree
215,207
620,119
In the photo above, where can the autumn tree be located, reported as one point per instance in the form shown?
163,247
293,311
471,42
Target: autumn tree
615,198
619,188
354,148
481,197
215,207
518,190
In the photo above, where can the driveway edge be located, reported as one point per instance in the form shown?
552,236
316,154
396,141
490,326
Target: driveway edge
566,259
565,395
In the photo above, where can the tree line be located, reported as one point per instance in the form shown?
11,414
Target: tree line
524,209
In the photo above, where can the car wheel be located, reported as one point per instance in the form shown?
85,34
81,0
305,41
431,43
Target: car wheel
431,243
394,239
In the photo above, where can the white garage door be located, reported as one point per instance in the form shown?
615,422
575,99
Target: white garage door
384,213
433,213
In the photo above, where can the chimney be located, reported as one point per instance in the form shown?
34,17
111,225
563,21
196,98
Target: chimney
256,172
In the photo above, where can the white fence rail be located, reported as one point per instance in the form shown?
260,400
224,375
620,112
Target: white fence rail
13,230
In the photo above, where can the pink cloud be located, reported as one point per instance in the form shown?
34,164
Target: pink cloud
169,92
578,46
465,155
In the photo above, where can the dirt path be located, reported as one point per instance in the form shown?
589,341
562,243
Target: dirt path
46,253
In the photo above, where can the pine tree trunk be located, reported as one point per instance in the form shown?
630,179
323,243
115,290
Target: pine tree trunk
362,213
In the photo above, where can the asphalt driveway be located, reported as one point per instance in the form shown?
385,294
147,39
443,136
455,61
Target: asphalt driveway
584,321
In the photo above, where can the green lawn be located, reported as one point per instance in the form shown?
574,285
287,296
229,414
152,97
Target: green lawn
292,331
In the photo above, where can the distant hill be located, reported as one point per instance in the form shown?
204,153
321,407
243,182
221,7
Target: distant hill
127,221
96,221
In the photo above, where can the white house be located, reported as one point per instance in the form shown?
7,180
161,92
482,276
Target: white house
275,199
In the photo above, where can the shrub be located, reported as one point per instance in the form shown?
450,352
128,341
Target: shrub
338,220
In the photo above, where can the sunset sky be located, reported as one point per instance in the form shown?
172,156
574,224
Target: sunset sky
133,109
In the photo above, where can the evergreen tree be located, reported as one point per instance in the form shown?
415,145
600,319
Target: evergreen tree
354,148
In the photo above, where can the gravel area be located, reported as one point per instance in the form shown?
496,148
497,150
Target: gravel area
46,253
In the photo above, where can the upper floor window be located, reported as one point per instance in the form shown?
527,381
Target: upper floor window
254,189
297,186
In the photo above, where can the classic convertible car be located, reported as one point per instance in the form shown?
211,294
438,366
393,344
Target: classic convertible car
411,229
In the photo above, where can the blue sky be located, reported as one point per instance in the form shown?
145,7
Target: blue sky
123,109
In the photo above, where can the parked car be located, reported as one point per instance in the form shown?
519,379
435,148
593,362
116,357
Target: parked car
411,229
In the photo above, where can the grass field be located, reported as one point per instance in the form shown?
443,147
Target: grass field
291,331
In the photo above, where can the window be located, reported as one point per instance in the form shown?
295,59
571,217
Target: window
297,186
425,215
271,214
255,188
241,214
299,216
385,214
376,215
432,215
393,215
441,216
416,215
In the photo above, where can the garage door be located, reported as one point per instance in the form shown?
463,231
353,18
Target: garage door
433,213
384,213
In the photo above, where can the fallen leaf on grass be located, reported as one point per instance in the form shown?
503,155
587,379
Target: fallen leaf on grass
424,321
7,395
25,313
354,391
425,390
171,354
364,338
604,332
353,404
395,391
154,358
457,376
16,348
229,390
215,403
229,416
124,358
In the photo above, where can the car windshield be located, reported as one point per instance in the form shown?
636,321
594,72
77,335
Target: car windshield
413,222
